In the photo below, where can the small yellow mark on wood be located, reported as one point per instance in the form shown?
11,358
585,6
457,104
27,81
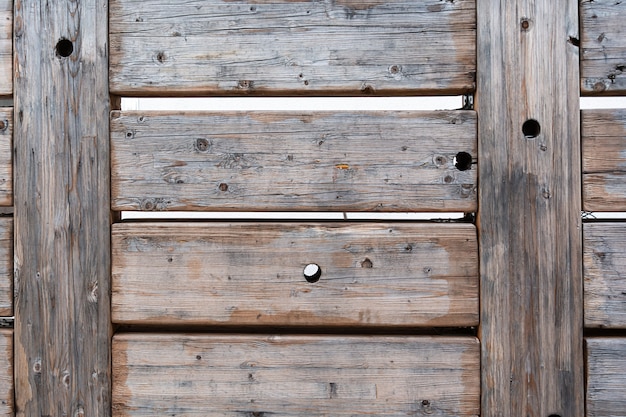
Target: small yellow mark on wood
342,166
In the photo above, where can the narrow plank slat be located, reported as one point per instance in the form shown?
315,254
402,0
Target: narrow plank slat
606,377
6,47
373,274
6,266
6,159
604,159
225,375
282,161
6,372
603,47
605,275
160,47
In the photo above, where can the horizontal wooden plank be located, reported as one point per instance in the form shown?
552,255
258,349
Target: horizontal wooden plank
603,47
287,161
224,375
605,274
606,377
6,47
6,372
6,152
372,274
229,47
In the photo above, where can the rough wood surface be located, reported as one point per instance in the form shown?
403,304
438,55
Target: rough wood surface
6,266
529,217
606,377
6,159
353,161
604,160
6,47
605,275
227,375
373,274
603,47
62,226
160,47
6,373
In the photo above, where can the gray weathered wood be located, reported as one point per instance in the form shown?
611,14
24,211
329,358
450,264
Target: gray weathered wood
160,47
529,217
373,274
62,228
6,373
604,160
227,375
603,47
6,47
6,160
605,275
355,161
606,377
6,266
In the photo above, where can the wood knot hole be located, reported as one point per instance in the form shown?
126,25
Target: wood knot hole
64,48
367,263
312,273
463,161
531,129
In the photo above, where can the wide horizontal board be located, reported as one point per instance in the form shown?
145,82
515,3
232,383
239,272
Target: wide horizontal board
226,375
6,372
288,161
603,47
6,152
604,159
605,274
372,274
606,377
6,47
228,47
6,266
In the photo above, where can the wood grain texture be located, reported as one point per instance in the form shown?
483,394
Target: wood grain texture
256,161
529,217
6,159
606,377
6,266
605,275
373,274
604,159
603,47
6,373
224,375
62,215
227,47
6,47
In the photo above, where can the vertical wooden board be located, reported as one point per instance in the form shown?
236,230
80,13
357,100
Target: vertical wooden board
227,375
6,160
6,372
603,136
529,208
603,47
160,47
605,275
6,47
288,161
372,274
606,376
6,266
62,215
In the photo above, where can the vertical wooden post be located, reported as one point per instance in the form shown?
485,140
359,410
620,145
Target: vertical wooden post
529,208
62,218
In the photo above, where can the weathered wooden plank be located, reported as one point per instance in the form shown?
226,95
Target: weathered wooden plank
231,47
606,376
604,159
354,161
6,47
373,274
603,47
225,375
529,218
6,266
6,372
6,160
62,215
605,274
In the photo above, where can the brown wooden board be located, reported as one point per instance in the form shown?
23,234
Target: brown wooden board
6,372
605,274
6,47
6,266
286,161
372,274
6,152
228,375
603,47
606,376
226,47
604,159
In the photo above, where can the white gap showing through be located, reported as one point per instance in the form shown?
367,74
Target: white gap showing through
308,216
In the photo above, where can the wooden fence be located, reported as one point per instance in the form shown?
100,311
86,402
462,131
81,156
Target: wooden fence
518,309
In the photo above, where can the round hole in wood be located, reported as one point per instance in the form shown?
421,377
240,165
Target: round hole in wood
531,128
463,161
64,48
312,272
